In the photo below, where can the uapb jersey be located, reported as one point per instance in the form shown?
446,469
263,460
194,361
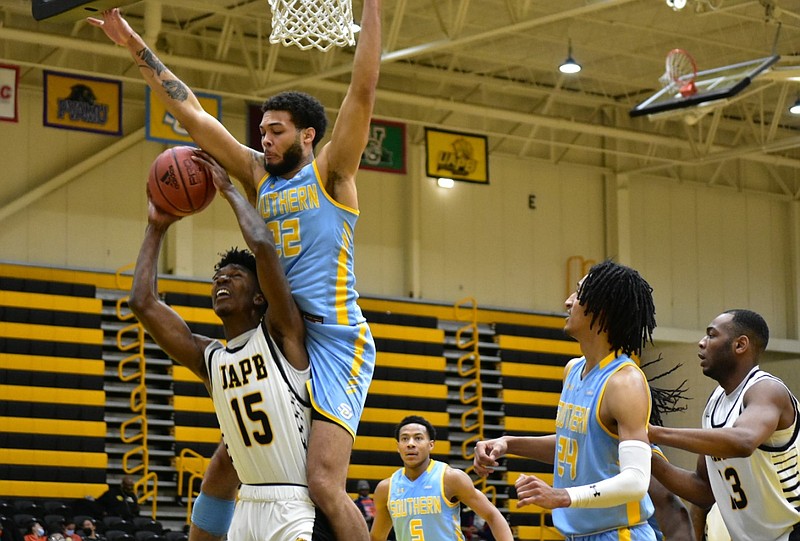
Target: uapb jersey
262,406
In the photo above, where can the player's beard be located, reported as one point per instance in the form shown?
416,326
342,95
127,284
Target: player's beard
291,159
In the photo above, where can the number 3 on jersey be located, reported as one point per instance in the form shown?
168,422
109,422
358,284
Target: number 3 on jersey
263,433
287,236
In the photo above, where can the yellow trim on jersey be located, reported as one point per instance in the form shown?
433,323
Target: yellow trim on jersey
358,359
444,489
340,288
325,414
603,363
327,195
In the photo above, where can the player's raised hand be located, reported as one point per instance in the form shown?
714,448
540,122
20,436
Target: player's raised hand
218,173
115,27
486,455
157,217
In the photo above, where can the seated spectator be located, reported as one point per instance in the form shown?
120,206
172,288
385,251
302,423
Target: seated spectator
67,529
365,503
89,531
121,501
35,532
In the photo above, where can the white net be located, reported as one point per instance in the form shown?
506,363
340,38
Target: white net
680,68
312,23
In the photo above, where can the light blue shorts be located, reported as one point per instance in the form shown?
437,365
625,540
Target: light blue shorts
342,363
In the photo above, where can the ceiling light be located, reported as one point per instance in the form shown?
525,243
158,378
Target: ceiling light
569,65
445,182
795,109
677,5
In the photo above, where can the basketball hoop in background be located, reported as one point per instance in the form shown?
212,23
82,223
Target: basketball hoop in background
681,71
312,23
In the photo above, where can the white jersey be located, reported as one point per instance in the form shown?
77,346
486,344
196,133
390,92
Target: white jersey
759,495
263,408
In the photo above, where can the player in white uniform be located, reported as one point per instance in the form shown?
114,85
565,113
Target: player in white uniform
748,446
257,381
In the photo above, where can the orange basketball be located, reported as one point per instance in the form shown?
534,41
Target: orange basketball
179,185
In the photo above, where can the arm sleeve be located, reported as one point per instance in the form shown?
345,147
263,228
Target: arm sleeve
630,484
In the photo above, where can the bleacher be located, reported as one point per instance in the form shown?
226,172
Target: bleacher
52,429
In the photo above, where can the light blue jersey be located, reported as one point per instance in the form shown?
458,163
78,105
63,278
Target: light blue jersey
587,452
314,238
420,509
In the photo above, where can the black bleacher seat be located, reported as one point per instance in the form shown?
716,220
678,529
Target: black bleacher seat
23,520
53,522
119,535
112,523
147,523
175,536
145,535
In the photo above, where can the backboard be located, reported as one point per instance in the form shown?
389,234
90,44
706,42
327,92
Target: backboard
72,10
713,84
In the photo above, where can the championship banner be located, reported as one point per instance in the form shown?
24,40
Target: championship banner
76,102
9,85
459,156
386,147
162,127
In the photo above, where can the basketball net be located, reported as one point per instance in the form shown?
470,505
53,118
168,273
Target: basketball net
681,71
312,23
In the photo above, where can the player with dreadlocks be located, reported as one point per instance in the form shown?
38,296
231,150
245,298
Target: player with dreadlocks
600,450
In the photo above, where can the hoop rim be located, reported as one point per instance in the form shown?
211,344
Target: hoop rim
678,79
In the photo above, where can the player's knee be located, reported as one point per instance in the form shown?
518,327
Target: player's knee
213,515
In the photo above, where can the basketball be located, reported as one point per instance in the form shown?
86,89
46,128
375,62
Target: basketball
179,185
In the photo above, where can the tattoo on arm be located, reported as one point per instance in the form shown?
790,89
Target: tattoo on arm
152,61
176,90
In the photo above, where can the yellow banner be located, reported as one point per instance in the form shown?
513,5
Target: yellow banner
165,128
459,156
75,102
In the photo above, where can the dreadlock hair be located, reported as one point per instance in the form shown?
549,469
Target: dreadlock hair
665,400
306,111
415,419
752,325
621,303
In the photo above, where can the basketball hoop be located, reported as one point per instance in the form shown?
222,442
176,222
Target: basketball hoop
312,23
681,71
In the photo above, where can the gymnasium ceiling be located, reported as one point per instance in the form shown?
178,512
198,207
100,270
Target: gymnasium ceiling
490,67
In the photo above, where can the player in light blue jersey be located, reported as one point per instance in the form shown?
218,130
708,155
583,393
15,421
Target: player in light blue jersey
310,203
600,450
422,499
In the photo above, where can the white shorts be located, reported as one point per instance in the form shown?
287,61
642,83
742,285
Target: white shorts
272,513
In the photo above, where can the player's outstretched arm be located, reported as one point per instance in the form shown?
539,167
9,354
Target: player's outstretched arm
339,159
487,453
691,486
764,404
458,484
283,316
382,524
244,163
165,326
